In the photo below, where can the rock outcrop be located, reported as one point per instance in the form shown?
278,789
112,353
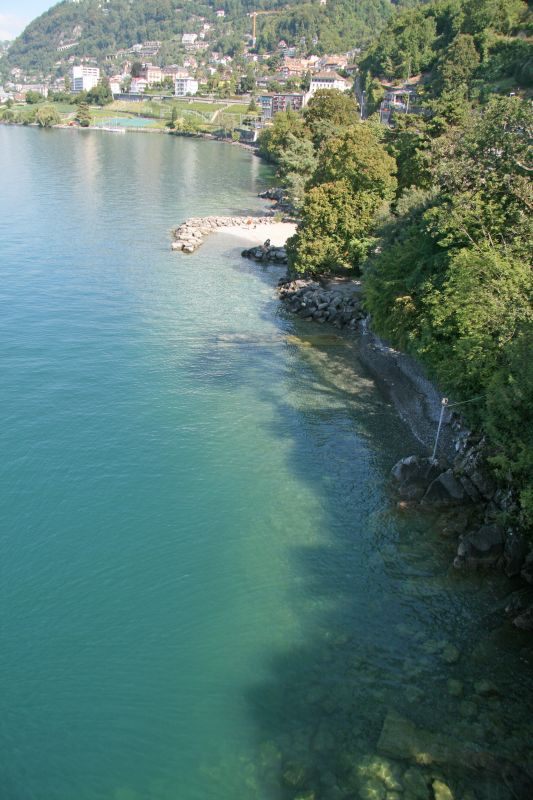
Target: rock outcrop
338,303
266,253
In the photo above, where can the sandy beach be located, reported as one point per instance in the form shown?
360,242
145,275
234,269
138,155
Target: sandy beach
277,232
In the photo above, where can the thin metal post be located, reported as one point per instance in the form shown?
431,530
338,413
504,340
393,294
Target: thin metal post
444,403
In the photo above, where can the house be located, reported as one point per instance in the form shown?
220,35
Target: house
327,80
84,78
220,12
189,38
138,85
152,74
185,86
274,102
115,82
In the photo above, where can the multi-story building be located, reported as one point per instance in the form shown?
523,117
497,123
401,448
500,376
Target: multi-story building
327,80
84,78
185,86
152,74
273,102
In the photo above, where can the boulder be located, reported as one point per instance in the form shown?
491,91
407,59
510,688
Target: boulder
400,738
527,570
414,474
444,491
441,791
482,548
524,621
514,553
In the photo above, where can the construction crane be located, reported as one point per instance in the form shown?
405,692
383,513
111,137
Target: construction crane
254,15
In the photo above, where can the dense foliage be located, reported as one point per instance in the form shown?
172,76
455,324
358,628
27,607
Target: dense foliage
435,212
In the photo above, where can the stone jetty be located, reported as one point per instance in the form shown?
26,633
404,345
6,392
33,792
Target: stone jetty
188,236
338,303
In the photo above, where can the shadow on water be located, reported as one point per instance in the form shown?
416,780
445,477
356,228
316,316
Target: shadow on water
404,682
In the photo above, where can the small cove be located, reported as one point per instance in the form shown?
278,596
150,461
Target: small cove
206,590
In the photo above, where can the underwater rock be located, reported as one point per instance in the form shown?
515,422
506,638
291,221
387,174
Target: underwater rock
455,688
450,654
401,738
485,689
444,491
482,548
441,791
413,475
415,784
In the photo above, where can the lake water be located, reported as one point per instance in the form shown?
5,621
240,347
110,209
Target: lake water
206,591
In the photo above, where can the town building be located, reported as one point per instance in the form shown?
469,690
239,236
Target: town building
152,74
185,86
189,38
84,78
138,85
327,80
274,102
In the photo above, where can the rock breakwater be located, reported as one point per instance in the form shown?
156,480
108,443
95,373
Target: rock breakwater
188,236
337,302
266,252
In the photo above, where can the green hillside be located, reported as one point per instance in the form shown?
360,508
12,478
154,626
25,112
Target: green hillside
100,27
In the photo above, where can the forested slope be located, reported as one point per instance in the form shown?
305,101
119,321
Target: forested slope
102,26
434,213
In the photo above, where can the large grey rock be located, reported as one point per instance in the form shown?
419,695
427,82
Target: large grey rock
514,553
400,738
482,548
444,491
524,621
527,570
414,474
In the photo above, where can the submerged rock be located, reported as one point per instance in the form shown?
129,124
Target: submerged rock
414,474
400,738
441,791
444,491
482,548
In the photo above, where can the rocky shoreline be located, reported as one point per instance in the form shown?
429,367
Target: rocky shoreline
458,485
192,233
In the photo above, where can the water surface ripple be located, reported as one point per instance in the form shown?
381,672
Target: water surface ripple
206,592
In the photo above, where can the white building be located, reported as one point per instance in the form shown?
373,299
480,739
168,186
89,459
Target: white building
185,86
327,80
84,78
189,38
138,85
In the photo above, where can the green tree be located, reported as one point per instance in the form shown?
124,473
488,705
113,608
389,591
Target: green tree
100,94
296,164
333,233
83,115
328,111
47,116
34,97
273,140
509,421
359,157
458,64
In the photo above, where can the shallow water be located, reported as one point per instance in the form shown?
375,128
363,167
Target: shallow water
206,590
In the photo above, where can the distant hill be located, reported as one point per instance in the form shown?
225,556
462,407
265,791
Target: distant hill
100,27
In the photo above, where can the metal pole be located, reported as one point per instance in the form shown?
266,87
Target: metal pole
444,403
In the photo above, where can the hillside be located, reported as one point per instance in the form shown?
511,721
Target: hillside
98,28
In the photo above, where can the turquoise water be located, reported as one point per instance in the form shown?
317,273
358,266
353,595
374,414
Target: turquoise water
206,591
